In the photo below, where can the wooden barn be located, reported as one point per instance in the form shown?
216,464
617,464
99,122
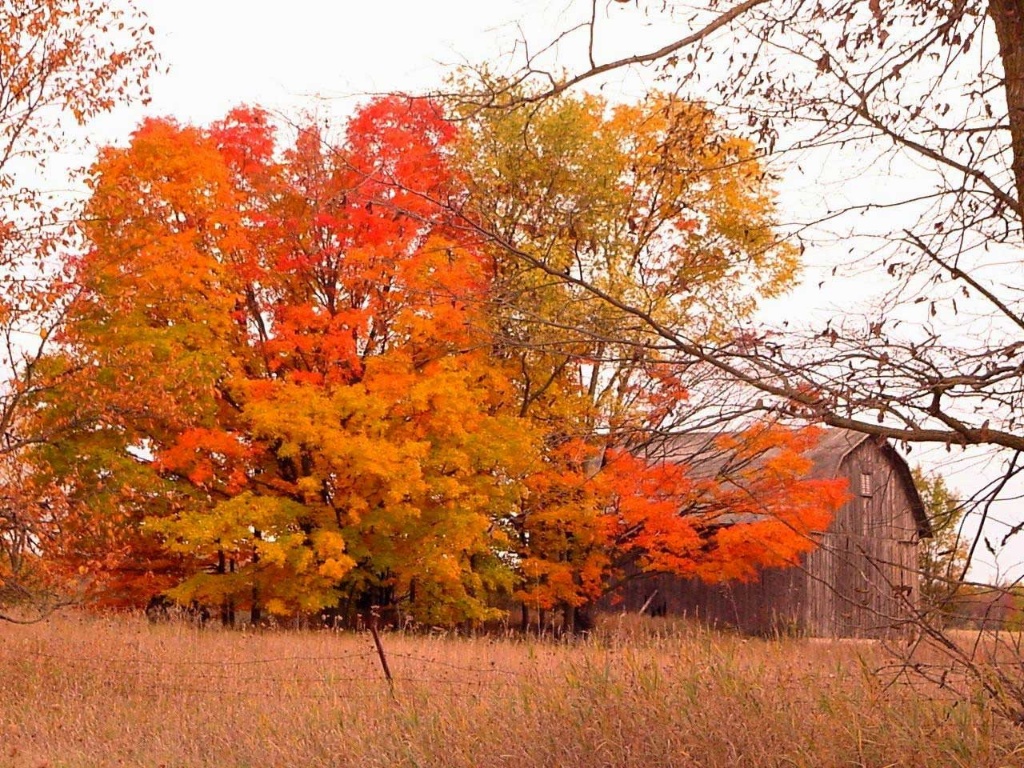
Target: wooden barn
860,582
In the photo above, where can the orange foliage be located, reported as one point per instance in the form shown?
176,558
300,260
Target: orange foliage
287,374
288,391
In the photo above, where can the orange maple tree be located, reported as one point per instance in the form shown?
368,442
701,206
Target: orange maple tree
285,357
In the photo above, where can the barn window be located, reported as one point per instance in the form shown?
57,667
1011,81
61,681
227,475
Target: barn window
865,484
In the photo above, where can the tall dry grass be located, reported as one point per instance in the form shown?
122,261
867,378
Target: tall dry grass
80,691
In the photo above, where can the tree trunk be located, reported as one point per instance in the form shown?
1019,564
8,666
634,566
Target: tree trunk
256,614
1008,17
568,620
227,605
578,619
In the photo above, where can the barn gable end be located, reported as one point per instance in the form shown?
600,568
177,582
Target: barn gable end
860,582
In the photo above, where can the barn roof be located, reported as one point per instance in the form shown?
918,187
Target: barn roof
699,450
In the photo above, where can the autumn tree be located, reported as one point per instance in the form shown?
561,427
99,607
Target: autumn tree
943,558
654,203
289,406
662,208
62,62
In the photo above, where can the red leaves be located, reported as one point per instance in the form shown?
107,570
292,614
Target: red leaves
779,510
209,459
399,146
590,524
245,139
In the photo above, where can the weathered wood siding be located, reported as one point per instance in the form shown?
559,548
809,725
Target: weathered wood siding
772,604
863,577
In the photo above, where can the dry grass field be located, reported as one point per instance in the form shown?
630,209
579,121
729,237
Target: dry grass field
82,691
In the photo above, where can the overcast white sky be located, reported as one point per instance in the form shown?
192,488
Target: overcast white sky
324,56
287,55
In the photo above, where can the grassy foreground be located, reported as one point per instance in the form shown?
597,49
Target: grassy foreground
80,691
